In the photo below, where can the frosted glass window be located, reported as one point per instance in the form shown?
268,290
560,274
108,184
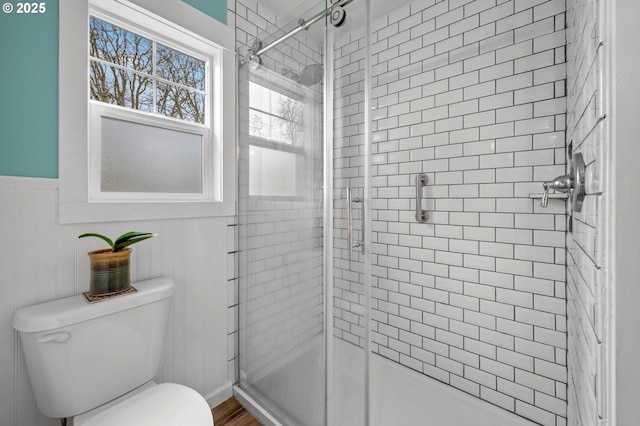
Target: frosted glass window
272,172
142,158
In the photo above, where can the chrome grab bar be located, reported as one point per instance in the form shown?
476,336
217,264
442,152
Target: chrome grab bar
421,181
350,243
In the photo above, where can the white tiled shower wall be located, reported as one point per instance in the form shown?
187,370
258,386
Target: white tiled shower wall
473,94
586,285
348,162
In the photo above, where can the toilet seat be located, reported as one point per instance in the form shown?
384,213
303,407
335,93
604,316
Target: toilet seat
166,404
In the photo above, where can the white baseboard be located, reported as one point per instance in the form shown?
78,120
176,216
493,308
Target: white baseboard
220,395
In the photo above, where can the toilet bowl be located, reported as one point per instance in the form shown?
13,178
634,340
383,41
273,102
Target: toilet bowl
95,363
163,404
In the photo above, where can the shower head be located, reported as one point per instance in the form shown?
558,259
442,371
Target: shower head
310,75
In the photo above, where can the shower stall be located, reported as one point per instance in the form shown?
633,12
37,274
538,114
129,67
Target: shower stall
395,260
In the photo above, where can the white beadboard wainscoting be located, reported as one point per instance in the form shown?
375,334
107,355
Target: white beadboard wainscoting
41,260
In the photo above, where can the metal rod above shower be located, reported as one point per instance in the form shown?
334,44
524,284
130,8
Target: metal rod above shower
303,25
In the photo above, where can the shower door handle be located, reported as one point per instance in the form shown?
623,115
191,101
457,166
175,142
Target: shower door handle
421,181
350,243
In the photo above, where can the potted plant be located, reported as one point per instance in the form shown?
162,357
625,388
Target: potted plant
110,267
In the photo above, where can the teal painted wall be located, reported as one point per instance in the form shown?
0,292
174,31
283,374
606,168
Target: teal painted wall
217,9
29,87
29,92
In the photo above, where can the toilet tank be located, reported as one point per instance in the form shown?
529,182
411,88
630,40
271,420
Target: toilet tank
80,355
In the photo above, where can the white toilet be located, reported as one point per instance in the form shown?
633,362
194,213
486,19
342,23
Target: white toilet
94,363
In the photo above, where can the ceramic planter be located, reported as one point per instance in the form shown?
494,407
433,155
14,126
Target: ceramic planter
109,271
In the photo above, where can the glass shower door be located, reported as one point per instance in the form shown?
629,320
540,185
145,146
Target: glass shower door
304,254
281,286
350,246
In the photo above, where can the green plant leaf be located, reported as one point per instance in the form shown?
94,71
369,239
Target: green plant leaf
90,234
128,235
129,238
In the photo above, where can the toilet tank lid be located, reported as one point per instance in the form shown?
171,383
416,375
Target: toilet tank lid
72,310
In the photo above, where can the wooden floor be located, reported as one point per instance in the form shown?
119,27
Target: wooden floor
231,413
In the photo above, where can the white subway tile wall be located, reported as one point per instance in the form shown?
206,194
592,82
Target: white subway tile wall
587,290
473,94
232,298
348,171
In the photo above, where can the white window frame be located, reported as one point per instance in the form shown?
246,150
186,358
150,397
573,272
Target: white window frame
79,202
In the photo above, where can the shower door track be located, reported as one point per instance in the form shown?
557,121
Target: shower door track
303,25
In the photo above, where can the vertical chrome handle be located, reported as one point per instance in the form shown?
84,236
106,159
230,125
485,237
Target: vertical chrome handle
421,181
350,244
349,223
